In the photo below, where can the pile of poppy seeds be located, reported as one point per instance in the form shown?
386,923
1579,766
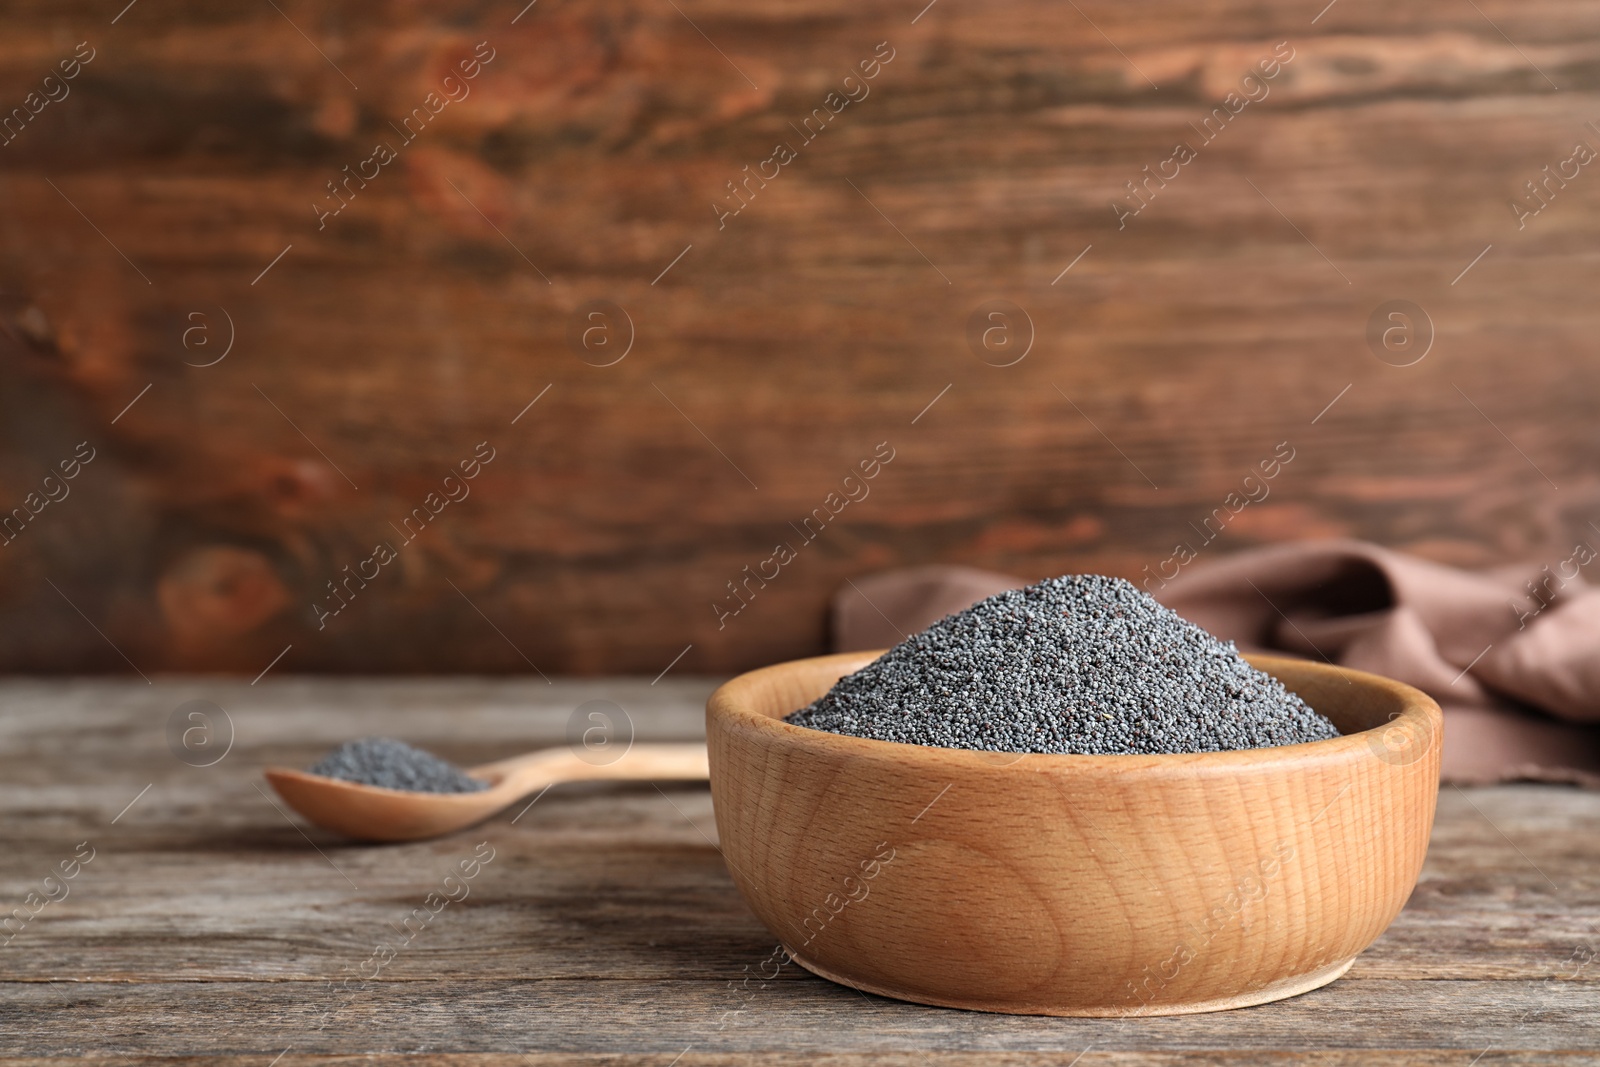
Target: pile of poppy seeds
1080,664
391,764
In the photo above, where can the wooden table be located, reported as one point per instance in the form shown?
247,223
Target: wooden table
209,925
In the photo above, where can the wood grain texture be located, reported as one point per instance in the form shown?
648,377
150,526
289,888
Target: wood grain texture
1330,1058
771,1058
607,928
781,348
1074,885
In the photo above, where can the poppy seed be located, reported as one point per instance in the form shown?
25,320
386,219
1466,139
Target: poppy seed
1082,664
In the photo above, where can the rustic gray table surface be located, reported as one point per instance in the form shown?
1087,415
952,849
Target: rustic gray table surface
202,922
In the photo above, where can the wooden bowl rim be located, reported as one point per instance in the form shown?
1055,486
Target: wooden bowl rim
1419,714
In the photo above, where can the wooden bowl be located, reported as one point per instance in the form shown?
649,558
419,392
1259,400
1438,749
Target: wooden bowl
1075,885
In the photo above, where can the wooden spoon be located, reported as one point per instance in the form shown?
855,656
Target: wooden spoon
371,813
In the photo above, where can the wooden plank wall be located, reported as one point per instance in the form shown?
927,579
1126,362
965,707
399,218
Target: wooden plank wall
172,199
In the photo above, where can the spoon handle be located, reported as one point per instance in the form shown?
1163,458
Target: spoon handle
646,762
642,762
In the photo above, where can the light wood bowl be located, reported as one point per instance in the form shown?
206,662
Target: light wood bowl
1075,885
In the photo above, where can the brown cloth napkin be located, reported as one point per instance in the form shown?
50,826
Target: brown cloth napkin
1512,655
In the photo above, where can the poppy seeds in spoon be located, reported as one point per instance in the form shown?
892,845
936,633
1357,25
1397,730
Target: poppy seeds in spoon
1082,664
391,764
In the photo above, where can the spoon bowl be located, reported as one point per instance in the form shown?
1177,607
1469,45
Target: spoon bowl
373,813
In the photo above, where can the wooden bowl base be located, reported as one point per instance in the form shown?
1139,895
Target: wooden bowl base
1282,989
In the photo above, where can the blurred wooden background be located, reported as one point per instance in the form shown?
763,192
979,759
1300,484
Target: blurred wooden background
139,212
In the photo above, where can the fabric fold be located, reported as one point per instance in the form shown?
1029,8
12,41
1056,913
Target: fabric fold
1510,654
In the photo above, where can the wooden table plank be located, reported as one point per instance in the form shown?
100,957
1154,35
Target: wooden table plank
606,924
262,1018
1096,1057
